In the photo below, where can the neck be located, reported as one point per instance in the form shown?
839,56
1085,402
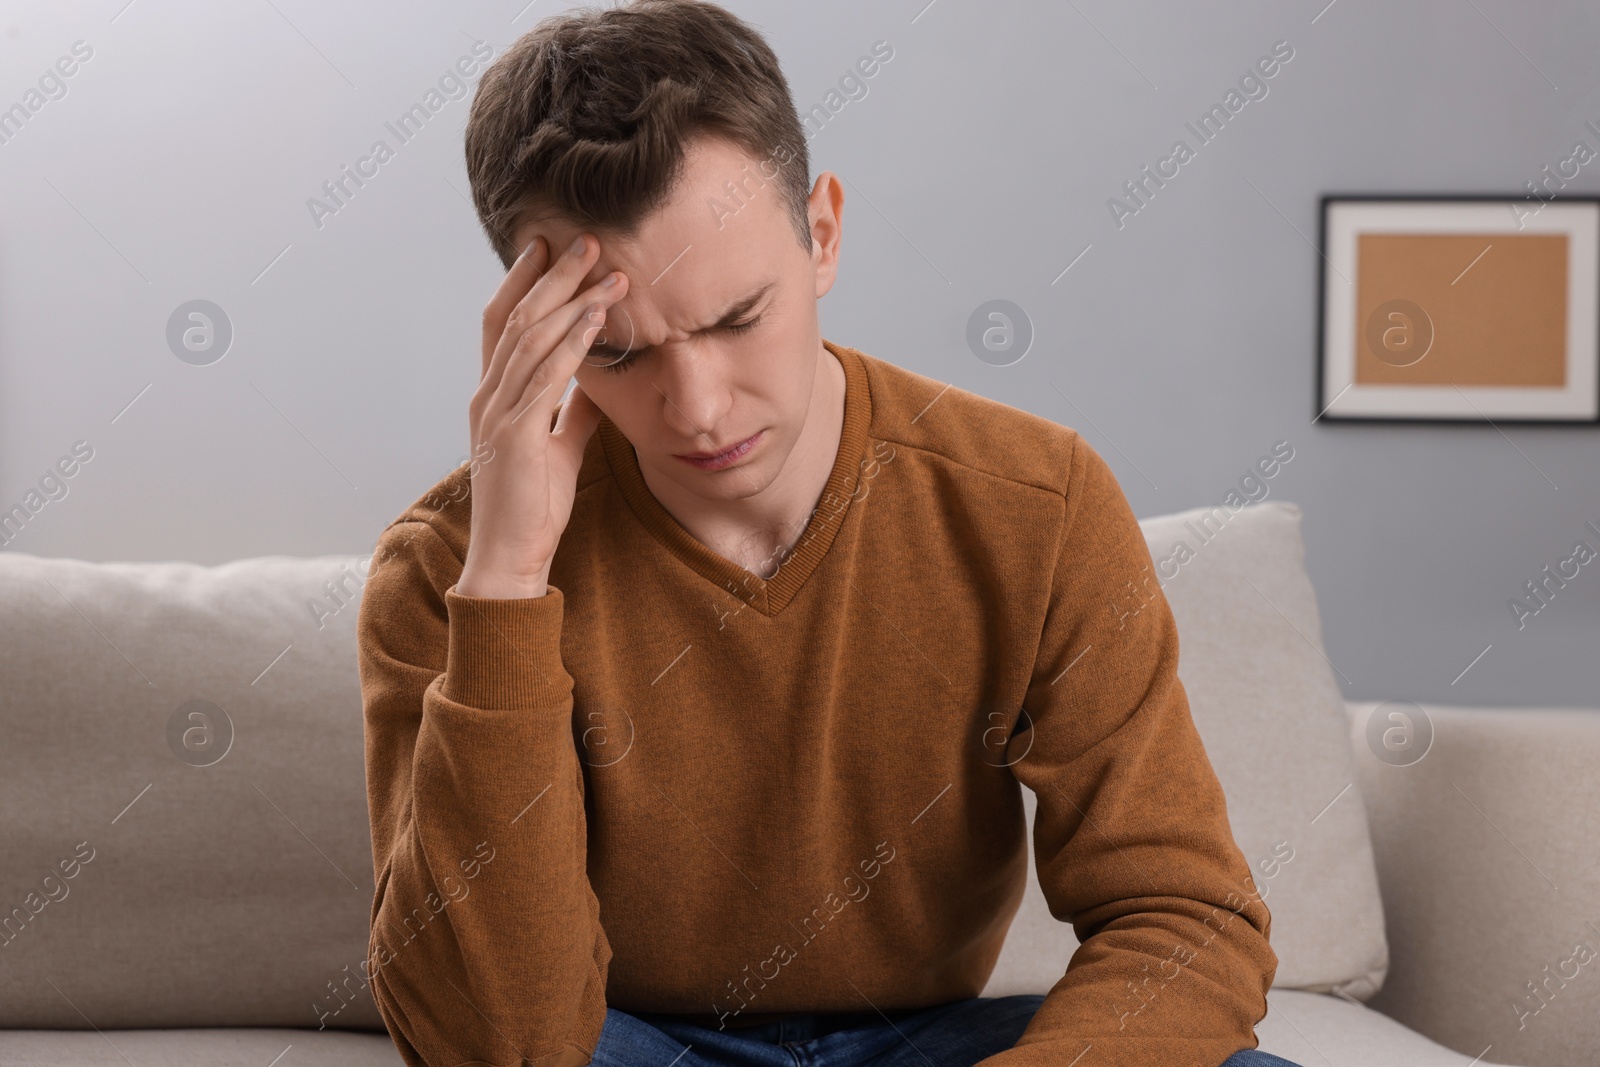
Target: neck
758,531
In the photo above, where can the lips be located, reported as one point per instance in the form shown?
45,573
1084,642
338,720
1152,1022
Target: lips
719,460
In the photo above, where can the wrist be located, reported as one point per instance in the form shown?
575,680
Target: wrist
502,585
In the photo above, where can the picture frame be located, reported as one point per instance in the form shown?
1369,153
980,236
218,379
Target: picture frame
1458,309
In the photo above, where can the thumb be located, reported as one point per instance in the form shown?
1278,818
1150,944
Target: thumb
576,420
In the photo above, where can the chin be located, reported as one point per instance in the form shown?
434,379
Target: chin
733,483
736,483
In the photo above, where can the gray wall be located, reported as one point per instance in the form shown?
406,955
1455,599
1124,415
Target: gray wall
180,160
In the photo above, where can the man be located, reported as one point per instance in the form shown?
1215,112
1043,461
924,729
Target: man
698,705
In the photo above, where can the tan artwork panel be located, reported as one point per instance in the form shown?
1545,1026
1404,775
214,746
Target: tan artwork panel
1463,309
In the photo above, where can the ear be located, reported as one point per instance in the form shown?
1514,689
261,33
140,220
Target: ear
827,223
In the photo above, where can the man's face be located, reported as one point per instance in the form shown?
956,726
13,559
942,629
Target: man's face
716,338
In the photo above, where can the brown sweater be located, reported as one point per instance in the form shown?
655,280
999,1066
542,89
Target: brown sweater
671,786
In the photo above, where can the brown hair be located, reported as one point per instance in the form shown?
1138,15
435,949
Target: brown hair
586,116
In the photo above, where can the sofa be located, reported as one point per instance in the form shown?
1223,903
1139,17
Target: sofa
187,873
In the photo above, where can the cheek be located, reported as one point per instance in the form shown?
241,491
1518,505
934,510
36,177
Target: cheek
603,388
796,370
629,398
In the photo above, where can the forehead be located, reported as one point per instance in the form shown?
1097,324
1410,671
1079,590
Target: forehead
724,225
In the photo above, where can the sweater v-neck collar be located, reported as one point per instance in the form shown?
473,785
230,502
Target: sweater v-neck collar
770,595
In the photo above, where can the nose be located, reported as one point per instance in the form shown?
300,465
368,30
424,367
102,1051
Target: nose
696,394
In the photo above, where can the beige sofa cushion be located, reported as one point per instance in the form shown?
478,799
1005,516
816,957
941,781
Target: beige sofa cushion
1306,1028
235,894
1269,710
197,1048
1485,834
1321,1030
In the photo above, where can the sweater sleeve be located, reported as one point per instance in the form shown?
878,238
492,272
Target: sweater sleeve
1131,834
486,946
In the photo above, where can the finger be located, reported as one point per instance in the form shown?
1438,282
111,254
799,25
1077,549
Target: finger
552,288
535,346
525,270
542,383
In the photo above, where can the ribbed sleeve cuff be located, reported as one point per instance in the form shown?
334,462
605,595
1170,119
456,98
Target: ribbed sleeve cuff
505,654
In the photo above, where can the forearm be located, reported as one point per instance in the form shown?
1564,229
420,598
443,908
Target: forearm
1182,983
1132,839
485,944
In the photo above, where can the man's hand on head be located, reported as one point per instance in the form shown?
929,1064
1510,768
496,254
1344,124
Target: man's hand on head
535,335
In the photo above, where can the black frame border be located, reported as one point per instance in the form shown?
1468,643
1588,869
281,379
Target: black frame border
1319,415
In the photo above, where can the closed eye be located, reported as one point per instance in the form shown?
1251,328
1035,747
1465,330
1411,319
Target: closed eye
628,359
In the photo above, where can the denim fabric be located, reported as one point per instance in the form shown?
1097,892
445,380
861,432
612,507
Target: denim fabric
957,1034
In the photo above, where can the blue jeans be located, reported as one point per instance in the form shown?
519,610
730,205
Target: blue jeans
957,1034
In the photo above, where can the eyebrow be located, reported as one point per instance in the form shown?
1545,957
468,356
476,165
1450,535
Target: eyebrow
732,314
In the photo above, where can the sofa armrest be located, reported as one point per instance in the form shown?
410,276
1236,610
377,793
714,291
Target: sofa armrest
1488,863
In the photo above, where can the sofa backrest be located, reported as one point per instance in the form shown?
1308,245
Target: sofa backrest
186,839
1265,700
187,843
